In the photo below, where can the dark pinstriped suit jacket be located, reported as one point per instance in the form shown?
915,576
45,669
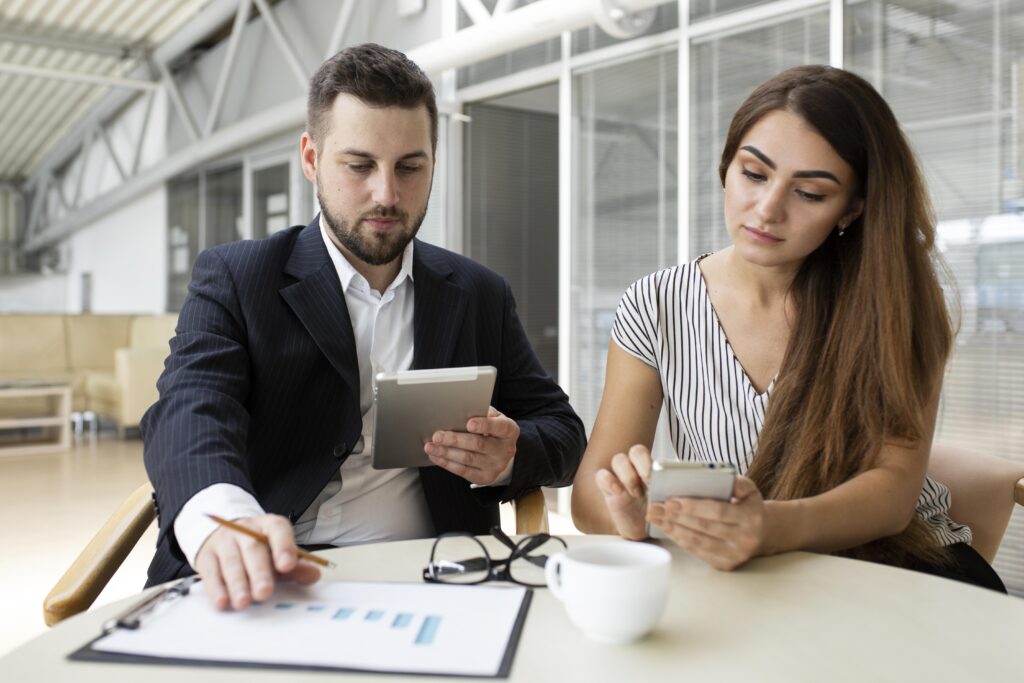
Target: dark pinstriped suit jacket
261,389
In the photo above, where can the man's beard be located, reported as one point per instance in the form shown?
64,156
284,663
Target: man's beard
371,247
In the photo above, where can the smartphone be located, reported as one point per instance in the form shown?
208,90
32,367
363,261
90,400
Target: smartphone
674,479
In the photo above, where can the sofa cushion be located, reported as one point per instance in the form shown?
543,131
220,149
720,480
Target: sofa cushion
153,331
32,345
92,340
104,393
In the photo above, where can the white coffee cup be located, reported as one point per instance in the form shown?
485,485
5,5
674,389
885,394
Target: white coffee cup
614,591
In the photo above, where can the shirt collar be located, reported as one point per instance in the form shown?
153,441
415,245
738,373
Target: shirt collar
347,272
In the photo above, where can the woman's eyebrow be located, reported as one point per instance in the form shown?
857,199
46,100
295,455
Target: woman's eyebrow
798,174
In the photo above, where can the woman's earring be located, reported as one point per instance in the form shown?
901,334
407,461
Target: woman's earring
842,228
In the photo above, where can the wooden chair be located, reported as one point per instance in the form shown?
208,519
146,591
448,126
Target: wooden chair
96,564
983,490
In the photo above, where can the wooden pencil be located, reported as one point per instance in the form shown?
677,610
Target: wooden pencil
315,559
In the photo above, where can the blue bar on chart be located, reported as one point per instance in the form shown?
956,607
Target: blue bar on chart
284,605
402,620
374,615
344,613
428,630
315,608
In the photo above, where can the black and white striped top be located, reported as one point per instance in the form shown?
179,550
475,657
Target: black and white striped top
714,412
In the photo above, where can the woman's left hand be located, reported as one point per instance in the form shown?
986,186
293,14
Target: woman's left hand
723,534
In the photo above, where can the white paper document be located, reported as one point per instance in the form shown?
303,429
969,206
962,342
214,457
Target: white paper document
386,627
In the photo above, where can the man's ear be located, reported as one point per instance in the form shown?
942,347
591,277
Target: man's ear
308,155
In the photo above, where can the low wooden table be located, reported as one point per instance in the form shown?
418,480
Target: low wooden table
59,416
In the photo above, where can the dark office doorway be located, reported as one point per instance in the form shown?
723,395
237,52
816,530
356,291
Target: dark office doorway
510,209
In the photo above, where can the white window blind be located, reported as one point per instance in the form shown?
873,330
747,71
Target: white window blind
624,203
954,75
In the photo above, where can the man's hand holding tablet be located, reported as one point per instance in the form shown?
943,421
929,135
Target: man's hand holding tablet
443,417
483,454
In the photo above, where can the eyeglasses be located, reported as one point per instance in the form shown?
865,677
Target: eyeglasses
461,558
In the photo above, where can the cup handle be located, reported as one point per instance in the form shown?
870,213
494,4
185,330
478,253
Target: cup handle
553,576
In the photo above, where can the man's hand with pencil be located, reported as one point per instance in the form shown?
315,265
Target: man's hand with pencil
240,561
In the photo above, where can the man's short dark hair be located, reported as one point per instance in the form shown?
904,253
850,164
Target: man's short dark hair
376,75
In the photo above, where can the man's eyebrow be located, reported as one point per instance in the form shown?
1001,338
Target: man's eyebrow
352,152
798,174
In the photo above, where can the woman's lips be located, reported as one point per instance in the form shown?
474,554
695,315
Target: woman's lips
762,236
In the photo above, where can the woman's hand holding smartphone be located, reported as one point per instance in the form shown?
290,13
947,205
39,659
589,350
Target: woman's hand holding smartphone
624,486
676,479
704,508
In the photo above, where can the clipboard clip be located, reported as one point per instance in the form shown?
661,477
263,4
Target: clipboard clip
132,617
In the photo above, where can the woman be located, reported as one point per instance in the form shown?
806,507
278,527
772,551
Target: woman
816,342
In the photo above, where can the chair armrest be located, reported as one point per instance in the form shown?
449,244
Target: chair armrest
92,569
531,513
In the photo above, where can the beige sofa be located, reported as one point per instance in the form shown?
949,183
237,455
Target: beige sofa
111,362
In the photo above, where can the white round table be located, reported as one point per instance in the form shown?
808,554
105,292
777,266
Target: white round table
793,617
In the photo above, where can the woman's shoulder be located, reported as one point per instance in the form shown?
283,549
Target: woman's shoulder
668,280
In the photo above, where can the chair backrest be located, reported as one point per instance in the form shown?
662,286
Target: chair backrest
983,489
531,513
89,573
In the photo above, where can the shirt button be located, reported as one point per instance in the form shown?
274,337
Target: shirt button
341,450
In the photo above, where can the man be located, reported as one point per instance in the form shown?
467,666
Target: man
265,402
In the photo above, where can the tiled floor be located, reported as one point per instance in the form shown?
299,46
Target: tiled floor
51,505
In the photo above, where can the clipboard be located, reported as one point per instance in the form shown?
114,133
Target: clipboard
417,629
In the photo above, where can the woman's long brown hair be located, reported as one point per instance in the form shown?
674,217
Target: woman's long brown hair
872,333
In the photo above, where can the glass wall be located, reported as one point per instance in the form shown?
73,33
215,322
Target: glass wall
223,222
204,209
624,201
953,75
723,71
510,205
704,9
270,188
182,236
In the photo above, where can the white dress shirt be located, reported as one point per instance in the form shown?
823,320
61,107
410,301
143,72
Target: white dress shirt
360,504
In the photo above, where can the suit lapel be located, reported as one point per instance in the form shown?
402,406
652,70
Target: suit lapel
319,303
439,309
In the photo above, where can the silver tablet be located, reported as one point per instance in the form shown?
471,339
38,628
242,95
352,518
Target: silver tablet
413,404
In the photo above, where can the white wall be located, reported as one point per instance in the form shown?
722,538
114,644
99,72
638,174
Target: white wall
126,252
33,293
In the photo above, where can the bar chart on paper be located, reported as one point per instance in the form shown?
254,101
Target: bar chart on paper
389,624
386,627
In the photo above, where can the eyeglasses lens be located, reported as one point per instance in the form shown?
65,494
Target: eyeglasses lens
529,569
459,559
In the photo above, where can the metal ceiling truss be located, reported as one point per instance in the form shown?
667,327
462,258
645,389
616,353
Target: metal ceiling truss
45,226
485,38
107,45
